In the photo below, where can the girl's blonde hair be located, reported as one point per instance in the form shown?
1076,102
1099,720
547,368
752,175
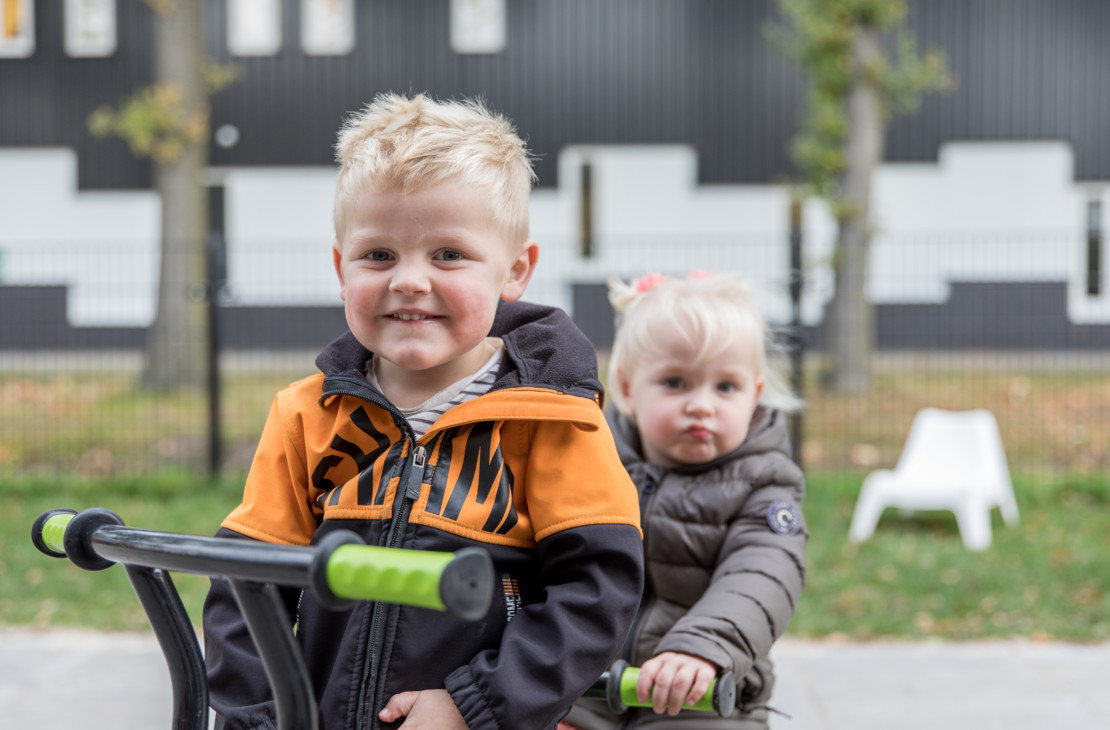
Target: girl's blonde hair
414,143
713,312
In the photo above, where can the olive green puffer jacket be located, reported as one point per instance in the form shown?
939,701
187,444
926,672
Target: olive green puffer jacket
724,546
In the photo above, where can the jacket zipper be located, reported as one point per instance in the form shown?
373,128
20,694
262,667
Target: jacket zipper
413,477
650,486
412,482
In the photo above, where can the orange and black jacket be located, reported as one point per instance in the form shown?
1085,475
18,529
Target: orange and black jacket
527,471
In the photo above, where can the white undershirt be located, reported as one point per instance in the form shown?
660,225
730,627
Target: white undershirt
422,417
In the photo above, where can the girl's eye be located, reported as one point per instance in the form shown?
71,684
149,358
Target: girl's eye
728,387
672,383
449,255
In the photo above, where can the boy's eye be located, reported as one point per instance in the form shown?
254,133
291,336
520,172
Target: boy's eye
379,255
449,254
674,383
728,387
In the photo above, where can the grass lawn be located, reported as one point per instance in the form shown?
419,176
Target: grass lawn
1046,578
98,425
39,591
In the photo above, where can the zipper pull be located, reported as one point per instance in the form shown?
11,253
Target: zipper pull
419,459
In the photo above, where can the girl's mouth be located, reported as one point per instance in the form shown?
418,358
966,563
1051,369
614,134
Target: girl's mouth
698,433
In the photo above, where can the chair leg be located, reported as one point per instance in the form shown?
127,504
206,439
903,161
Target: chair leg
866,516
974,520
1008,506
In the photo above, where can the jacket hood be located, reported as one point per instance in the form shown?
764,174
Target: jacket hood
544,349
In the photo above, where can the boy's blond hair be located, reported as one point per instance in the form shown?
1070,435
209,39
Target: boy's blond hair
712,312
411,144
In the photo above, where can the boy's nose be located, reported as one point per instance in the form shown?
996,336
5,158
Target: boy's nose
409,278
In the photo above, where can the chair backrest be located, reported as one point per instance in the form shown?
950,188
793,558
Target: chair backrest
956,447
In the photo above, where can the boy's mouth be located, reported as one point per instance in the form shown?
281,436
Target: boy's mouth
411,317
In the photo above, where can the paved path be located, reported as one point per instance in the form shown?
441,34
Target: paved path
76,679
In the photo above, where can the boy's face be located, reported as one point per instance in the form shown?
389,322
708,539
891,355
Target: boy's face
691,412
420,275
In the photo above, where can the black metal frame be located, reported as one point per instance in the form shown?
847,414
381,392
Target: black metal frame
96,539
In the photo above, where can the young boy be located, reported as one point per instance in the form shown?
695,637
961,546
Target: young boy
450,415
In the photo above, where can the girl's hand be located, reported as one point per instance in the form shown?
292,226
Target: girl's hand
430,709
672,679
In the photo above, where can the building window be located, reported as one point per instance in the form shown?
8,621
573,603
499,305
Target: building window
478,26
90,28
253,27
327,27
17,28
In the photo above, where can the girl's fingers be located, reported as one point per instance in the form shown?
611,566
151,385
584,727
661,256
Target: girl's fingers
646,679
680,689
671,680
701,684
665,693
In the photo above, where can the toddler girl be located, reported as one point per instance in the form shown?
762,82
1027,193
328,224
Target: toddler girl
699,425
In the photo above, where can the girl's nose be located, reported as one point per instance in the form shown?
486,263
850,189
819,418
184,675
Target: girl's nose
699,403
409,278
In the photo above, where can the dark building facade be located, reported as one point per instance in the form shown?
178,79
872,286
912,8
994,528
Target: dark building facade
577,72
697,72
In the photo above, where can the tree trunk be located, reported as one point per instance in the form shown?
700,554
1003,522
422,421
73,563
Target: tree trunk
850,318
176,348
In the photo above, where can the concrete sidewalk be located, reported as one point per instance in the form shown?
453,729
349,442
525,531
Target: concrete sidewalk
76,679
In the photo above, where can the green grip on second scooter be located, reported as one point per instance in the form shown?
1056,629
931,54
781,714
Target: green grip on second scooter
628,693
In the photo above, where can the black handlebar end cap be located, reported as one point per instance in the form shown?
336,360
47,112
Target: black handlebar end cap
79,535
724,694
318,572
613,688
466,584
36,531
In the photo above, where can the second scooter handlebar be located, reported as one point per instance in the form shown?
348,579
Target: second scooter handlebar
618,688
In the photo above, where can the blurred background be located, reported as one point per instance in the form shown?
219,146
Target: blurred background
924,182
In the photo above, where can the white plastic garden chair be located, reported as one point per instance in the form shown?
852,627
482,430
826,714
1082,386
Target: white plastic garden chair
952,460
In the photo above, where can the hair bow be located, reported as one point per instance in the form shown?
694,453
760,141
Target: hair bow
650,281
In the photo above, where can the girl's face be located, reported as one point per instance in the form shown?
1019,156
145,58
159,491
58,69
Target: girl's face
692,411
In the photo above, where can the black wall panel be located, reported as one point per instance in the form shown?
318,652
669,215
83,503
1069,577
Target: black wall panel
698,72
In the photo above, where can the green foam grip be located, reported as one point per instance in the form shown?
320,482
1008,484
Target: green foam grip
629,698
371,573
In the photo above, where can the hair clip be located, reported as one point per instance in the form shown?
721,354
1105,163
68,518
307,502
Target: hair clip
650,281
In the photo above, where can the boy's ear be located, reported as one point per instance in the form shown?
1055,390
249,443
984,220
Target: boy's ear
520,271
337,260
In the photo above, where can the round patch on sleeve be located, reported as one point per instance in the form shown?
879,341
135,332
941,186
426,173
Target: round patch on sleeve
784,517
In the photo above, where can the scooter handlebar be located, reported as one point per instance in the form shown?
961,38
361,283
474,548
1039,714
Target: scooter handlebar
339,570
618,688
